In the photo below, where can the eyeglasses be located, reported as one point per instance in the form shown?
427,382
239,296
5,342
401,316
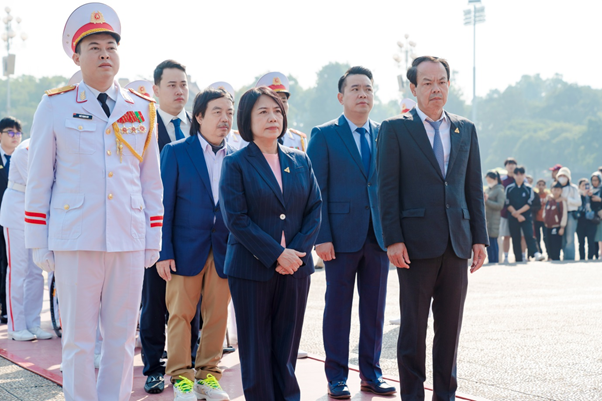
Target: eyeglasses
12,133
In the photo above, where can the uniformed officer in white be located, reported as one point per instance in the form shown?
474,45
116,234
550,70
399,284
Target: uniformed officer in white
25,282
234,140
93,204
278,82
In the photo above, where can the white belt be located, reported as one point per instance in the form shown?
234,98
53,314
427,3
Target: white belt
16,187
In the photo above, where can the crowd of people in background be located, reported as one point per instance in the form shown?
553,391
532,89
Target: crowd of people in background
543,219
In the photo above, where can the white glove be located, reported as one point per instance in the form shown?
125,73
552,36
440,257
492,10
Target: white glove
150,257
43,258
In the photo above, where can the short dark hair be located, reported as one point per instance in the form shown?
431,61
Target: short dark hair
412,74
510,160
201,101
10,122
557,185
494,175
78,48
600,169
158,74
357,70
541,180
245,107
519,170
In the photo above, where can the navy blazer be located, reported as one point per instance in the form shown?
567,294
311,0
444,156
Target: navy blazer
192,223
349,194
419,206
256,211
163,136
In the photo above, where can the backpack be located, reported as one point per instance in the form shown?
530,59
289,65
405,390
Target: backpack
553,215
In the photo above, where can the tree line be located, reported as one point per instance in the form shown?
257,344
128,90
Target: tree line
538,121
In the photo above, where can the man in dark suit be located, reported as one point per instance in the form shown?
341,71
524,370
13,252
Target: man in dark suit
10,138
173,122
343,154
194,247
432,210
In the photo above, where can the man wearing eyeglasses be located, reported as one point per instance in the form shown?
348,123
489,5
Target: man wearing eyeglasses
10,138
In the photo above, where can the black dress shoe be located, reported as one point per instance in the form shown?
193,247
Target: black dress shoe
380,387
338,390
154,384
3,319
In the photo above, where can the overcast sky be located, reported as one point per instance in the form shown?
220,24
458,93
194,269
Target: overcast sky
238,39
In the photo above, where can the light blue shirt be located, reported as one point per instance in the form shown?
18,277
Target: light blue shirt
356,135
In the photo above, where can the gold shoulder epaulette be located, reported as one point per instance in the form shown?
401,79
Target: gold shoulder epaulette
58,91
150,99
301,134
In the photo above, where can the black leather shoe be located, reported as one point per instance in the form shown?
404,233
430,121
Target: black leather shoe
154,384
338,390
381,387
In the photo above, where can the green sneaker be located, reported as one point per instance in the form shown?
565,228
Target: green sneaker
183,390
210,390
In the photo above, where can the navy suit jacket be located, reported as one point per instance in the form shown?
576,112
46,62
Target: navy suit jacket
349,194
419,206
256,211
192,223
163,136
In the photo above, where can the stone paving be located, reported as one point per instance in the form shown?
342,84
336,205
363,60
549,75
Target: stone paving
531,332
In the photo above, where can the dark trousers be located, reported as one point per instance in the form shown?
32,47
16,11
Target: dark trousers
371,266
586,232
153,317
540,234
493,251
3,269
554,243
445,280
515,232
269,317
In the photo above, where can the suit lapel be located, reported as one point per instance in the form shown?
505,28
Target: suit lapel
195,151
455,139
164,138
89,103
344,131
373,138
416,129
259,163
3,170
287,167
123,104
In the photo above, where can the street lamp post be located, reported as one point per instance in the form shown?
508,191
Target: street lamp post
408,49
9,60
474,16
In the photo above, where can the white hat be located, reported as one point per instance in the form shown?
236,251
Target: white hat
276,81
87,20
406,105
141,86
76,78
225,86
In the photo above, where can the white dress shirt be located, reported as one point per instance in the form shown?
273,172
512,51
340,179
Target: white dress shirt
111,93
171,130
444,132
356,135
214,164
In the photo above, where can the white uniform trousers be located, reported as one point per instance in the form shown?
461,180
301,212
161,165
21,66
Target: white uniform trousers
24,283
83,278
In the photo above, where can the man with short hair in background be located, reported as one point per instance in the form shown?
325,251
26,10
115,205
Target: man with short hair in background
10,138
173,123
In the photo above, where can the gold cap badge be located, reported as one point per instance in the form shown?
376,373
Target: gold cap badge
97,18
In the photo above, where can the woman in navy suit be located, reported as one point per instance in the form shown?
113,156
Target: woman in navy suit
271,204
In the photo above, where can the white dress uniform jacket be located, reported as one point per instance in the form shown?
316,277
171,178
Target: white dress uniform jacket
294,139
81,195
11,215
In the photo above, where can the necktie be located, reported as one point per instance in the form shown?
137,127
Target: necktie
438,145
7,165
176,123
366,155
102,98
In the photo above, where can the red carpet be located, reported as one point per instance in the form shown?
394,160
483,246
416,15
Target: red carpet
44,357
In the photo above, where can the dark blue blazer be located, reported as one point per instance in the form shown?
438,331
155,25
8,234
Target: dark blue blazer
256,211
349,194
163,136
192,223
